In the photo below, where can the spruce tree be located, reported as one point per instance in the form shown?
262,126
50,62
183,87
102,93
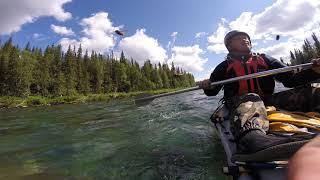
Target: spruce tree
79,72
107,81
85,74
316,44
70,72
13,74
57,87
3,75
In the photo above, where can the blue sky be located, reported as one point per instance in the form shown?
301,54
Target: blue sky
188,32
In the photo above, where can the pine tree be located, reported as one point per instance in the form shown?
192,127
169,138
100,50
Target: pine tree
27,48
114,77
173,81
55,73
57,87
41,80
166,76
147,73
107,81
124,84
307,51
3,75
191,80
316,44
70,72
135,76
95,71
7,45
27,65
292,56
85,74
156,78
122,58
12,80
36,57
299,57
79,72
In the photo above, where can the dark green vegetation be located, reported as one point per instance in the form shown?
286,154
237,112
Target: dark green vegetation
309,51
34,76
12,101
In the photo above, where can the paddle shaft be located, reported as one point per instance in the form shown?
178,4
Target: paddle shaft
298,68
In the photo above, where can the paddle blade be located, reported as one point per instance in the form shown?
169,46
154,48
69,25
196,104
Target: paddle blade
143,99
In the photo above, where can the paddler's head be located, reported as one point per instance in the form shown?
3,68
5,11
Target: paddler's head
238,42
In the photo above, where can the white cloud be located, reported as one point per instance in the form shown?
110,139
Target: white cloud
174,34
278,50
39,37
286,16
218,36
293,20
62,30
244,22
204,75
36,35
188,58
282,50
200,34
15,13
66,42
141,47
216,39
172,41
98,34
217,48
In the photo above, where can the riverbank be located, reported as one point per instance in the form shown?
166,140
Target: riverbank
20,102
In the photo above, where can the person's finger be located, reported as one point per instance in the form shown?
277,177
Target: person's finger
201,84
205,84
208,82
316,62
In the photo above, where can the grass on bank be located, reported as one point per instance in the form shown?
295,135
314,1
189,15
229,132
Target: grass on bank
11,102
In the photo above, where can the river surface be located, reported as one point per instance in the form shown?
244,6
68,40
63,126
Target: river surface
169,138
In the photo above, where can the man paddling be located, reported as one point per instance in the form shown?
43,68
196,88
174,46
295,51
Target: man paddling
246,99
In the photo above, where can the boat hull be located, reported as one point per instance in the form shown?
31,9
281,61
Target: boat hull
275,170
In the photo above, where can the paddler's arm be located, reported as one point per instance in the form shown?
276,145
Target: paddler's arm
218,74
305,164
291,79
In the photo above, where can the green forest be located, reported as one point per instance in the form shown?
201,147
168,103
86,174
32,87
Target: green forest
309,51
31,71
51,76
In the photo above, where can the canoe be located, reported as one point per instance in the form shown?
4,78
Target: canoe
270,163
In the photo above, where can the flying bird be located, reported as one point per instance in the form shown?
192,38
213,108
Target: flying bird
120,33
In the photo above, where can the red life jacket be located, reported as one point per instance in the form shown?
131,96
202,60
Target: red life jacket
254,64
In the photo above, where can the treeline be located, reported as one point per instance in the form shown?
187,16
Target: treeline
32,71
309,51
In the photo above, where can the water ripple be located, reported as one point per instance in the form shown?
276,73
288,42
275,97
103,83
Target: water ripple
168,138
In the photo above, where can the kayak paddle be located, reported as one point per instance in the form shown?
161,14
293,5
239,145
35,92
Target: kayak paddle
146,97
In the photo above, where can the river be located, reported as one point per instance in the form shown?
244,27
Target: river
169,138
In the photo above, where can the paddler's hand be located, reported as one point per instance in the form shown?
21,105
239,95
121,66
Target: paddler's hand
316,65
205,84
